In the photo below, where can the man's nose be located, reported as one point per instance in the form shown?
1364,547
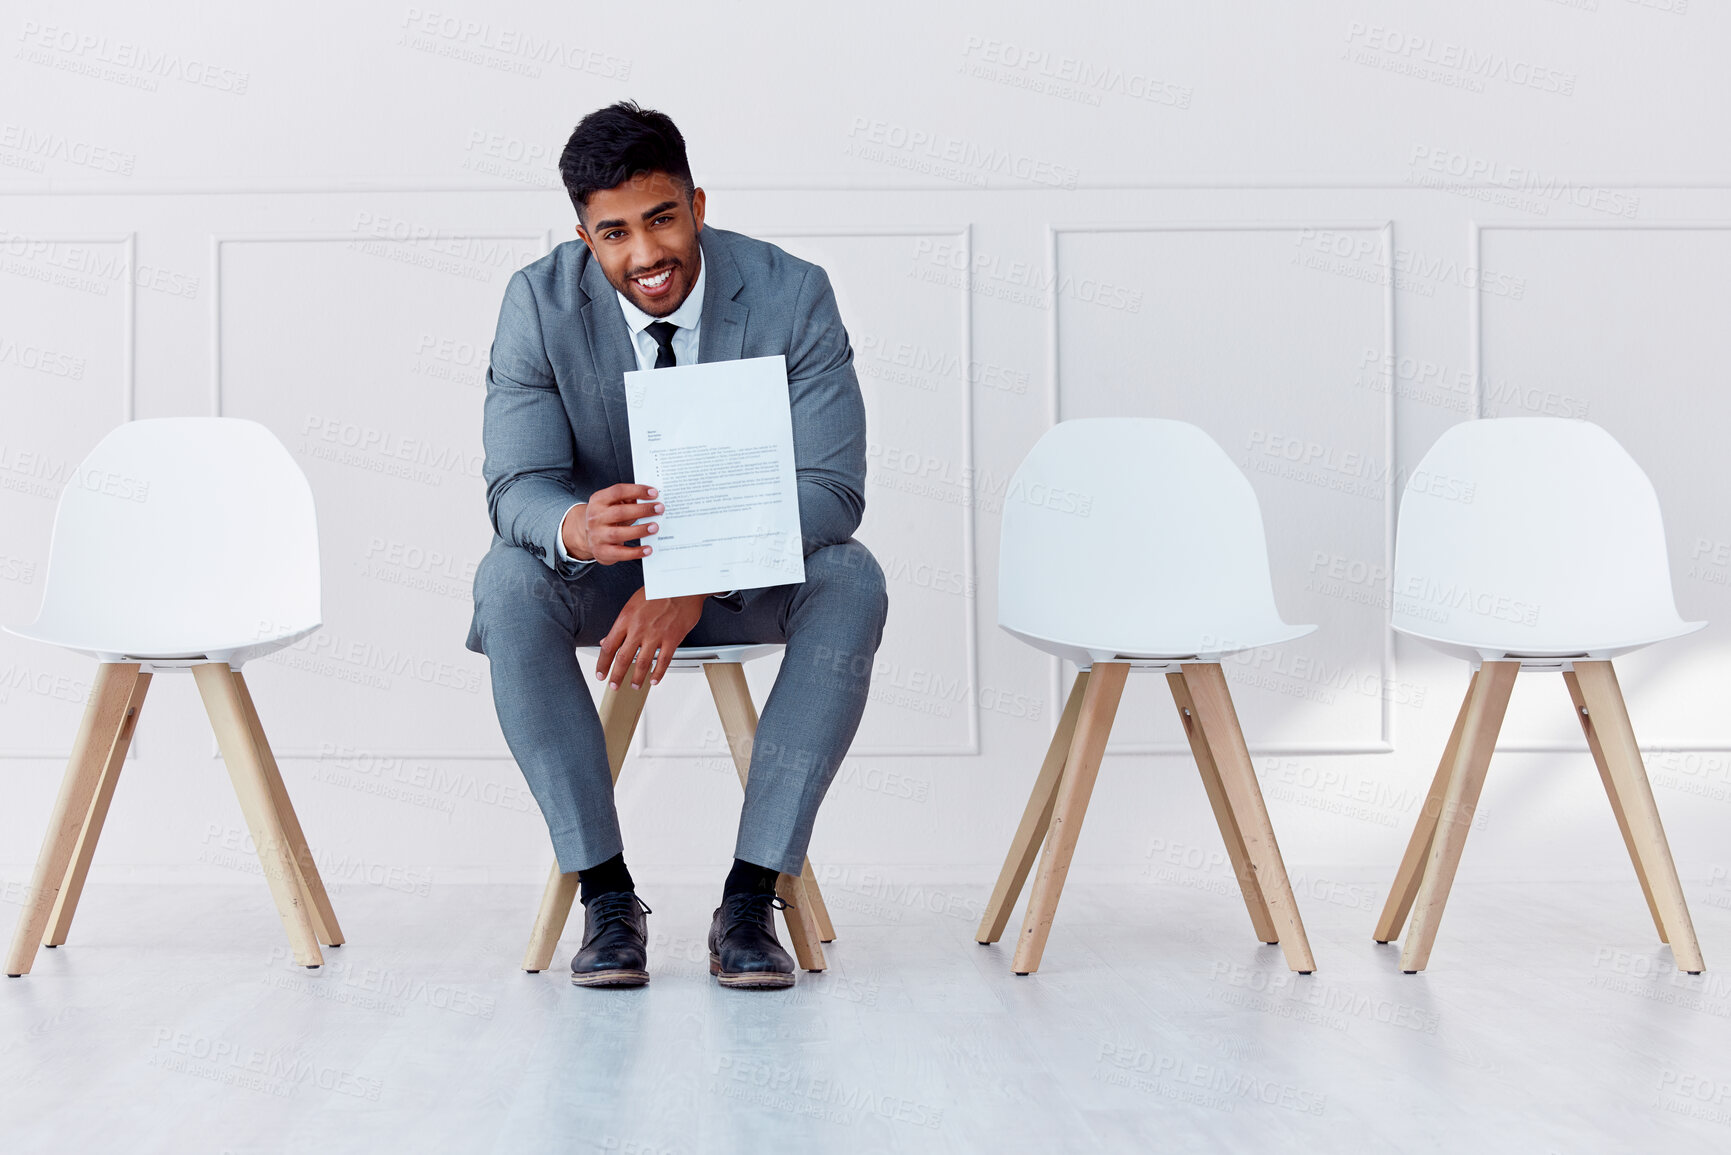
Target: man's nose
647,256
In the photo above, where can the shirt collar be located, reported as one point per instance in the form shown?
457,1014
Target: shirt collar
690,310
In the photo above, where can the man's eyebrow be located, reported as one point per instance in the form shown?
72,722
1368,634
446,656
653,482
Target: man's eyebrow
619,222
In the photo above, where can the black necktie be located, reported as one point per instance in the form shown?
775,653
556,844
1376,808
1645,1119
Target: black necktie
662,331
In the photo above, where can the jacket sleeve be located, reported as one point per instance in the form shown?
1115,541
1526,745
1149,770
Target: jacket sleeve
531,453
829,433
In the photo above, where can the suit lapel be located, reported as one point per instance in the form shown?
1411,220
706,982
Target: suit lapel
722,333
611,352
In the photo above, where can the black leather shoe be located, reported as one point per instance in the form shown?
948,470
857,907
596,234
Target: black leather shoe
613,954
743,951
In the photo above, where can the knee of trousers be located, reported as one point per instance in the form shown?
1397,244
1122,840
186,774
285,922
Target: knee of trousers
515,592
847,572
850,570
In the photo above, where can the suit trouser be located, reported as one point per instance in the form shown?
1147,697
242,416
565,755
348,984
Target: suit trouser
529,620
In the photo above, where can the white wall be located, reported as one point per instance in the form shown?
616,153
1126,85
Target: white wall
308,218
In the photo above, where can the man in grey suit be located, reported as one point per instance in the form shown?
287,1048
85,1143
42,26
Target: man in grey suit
648,286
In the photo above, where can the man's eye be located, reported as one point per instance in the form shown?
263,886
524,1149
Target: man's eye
615,234
665,217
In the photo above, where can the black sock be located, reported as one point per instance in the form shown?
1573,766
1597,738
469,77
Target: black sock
749,878
605,877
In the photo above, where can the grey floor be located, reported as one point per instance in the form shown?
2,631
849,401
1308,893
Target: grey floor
1548,1022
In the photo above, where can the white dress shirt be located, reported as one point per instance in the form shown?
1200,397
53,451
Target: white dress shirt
687,319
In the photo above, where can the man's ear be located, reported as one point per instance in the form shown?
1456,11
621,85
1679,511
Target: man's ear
697,209
584,237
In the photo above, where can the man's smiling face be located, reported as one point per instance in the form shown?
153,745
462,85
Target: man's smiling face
644,233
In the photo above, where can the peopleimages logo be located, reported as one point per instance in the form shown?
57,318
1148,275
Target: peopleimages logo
971,158
41,475
446,34
50,361
1020,282
1066,77
1226,1085
391,446
1455,170
85,52
1469,65
44,146
87,267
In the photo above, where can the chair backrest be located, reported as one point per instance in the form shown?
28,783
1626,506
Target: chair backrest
1532,535
1138,535
183,534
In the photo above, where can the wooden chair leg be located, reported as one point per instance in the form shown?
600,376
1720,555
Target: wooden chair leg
825,928
801,921
104,715
550,920
1223,816
739,723
1592,735
620,709
66,905
1036,818
227,711
1206,683
1487,702
738,713
1411,872
1082,764
313,886
1604,711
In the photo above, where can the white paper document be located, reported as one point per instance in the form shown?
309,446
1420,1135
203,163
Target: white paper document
716,439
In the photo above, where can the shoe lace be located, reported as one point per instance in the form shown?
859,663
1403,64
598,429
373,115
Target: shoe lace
741,906
618,906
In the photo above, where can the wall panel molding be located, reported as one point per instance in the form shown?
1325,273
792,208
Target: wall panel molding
1384,228
217,240
1476,231
128,404
963,234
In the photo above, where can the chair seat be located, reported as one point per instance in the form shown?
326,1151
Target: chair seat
1546,652
156,651
1204,647
696,657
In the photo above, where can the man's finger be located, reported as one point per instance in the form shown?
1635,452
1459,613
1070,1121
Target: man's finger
626,512
645,660
609,644
663,657
620,534
613,554
622,661
624,492
619,551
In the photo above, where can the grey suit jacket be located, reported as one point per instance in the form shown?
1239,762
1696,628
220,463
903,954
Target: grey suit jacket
555,428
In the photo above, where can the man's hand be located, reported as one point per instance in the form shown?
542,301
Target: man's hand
645,634
601,528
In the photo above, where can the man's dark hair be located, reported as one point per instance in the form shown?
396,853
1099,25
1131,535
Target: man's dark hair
613,144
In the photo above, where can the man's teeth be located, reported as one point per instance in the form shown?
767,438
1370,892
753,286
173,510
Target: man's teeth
656,281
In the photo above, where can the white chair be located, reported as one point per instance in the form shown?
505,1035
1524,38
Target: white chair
179,543
807,919
1532,543
1137,543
